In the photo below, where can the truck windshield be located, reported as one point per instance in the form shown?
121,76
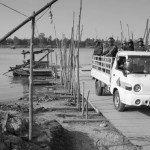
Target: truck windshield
138,64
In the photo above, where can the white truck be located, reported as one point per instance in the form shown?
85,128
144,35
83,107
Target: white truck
127,77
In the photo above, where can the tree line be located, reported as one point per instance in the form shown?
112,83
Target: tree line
42,41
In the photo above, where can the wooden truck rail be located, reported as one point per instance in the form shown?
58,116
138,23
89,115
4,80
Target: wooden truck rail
102,63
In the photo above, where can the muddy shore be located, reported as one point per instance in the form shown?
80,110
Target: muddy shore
50,131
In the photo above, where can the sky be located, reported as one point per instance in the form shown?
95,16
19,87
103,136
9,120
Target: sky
100,18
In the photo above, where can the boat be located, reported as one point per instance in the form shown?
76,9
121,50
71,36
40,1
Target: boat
40,67
36,72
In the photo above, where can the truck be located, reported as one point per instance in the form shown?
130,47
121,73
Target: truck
126,77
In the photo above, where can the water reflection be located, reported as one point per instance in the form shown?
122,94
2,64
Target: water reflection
22,82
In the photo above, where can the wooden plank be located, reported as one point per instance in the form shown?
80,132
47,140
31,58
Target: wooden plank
83,120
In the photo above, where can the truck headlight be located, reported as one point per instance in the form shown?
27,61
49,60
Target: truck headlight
137,88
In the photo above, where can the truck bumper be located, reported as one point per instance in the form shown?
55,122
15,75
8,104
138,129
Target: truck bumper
137,100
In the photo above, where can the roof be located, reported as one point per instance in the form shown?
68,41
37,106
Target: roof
135,53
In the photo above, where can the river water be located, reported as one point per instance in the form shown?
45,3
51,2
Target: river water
12,88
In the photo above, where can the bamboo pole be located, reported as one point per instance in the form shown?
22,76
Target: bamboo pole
132,35
78,78
48,60
71,76
51,60
87,104
61,64
128,31
69,69
121,30
56,73
27,20
31,83
71,61
83,100
146,29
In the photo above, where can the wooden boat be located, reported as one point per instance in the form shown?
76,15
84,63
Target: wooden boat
36,72
40,68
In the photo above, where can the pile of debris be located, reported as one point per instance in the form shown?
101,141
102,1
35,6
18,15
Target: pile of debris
22,108
14,134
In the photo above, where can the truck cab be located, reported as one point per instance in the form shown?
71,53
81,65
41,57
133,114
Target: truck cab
128,78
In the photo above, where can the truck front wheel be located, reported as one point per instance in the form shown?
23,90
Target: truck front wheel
117,103
98,88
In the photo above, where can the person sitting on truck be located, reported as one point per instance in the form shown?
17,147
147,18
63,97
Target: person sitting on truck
121,63
112,49
124,45
141,46
130,45
98,50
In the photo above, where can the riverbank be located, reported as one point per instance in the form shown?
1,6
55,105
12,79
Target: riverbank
51,111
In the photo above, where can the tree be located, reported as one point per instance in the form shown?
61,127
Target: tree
10,41
16,40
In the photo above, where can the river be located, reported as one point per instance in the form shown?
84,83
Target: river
12,88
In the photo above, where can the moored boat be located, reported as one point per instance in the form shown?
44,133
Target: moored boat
36,72
40,67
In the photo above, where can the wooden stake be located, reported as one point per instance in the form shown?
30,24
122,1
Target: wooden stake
121,30
128,31
146,29
79,39
48,60
132,35
87,104
83,100
31,83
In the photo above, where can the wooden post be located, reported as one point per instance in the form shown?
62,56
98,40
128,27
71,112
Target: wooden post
87,104
121,30
132,35
31,83
128,31
51,60
48,60
56,74
146,29
79,39
83,100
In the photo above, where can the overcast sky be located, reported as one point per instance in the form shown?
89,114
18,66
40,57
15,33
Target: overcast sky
100,18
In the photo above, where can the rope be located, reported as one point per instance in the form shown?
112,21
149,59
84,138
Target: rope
14,10
42,15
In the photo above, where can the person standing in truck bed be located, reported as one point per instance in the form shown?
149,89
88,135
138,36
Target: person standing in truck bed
130,45
124,45
112,49
141,46
98,50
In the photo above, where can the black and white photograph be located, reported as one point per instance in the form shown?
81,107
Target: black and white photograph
74,75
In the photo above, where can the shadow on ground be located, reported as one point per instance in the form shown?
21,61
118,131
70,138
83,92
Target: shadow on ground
75,140
142,109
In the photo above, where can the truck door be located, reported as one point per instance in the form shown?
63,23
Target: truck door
118,77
